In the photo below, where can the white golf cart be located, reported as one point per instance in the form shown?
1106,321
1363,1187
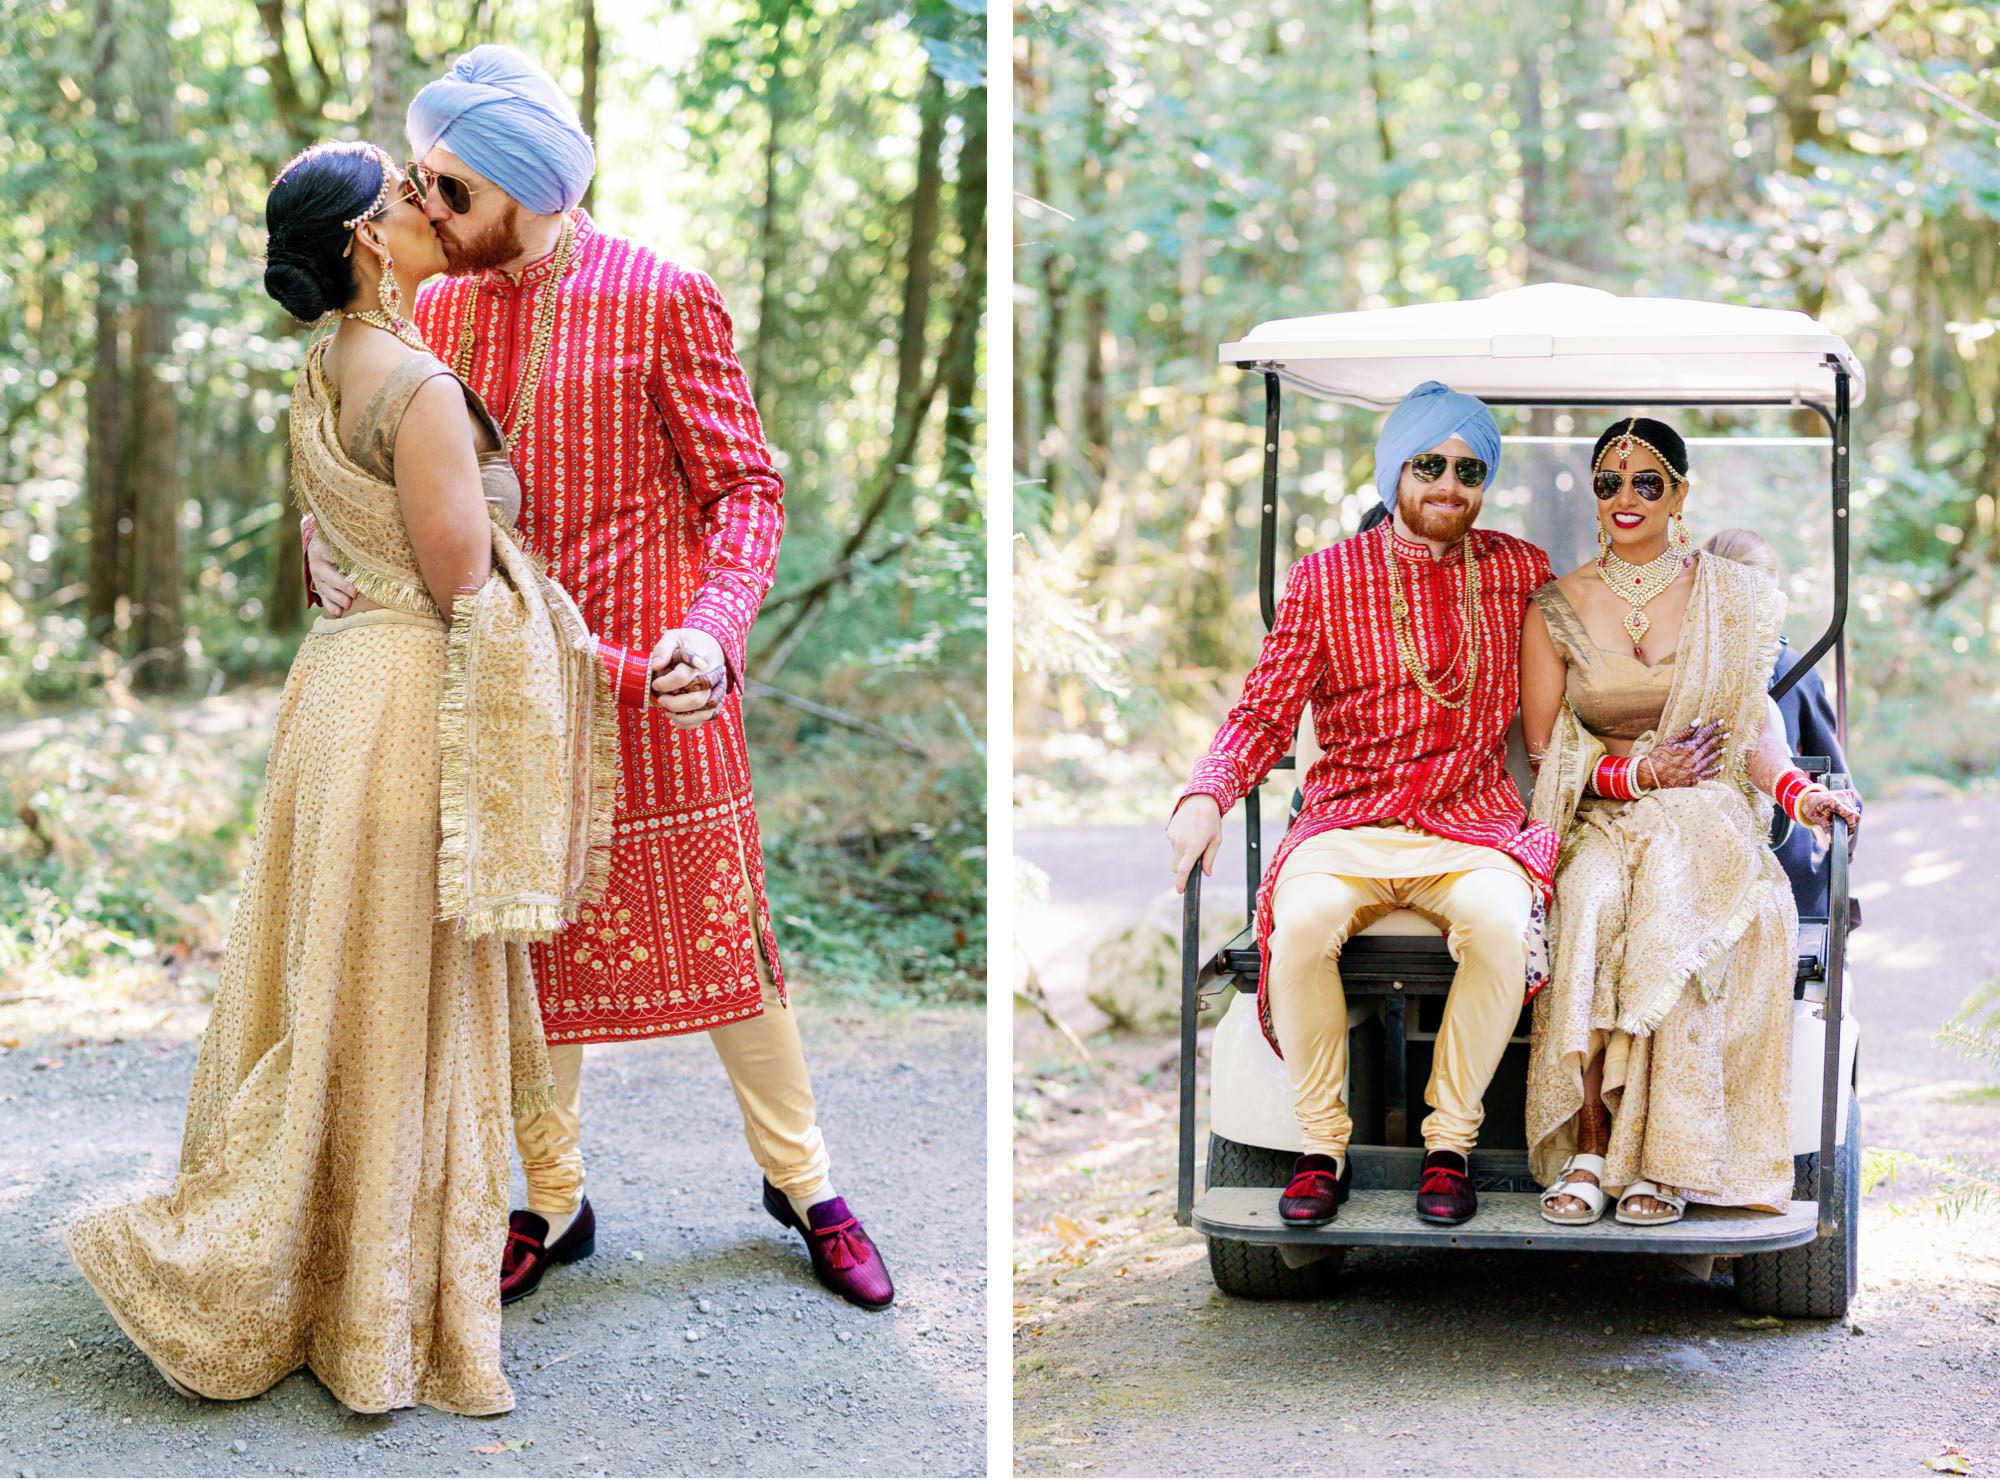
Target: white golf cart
1548,346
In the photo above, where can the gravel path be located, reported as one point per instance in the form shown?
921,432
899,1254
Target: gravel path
1129,1362
694,1342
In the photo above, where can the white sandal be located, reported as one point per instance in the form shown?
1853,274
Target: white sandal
1591,1194
1676,1205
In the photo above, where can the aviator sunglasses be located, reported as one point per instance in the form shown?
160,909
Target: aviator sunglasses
1429,467
454,192
1649,485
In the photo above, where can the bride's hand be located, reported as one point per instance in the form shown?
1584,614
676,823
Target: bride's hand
1817,809
1690,758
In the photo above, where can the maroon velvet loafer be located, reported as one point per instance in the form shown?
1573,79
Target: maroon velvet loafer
528,1254
844,1258
1319,1186
1445,1194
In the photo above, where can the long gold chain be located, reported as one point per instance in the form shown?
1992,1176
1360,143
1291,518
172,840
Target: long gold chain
1637,585
522,402
1406,643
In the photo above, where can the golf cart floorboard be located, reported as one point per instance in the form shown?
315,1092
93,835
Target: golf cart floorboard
1505,1220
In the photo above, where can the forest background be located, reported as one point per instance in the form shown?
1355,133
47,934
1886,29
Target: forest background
1187,172
824,160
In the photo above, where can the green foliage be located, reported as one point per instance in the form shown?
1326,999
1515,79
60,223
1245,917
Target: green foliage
1188,172
772,143
126,829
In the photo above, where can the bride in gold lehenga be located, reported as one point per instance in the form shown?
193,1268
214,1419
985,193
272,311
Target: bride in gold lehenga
1660,1064
439,791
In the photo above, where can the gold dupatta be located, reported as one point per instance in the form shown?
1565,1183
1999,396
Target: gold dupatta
1695,858
527,723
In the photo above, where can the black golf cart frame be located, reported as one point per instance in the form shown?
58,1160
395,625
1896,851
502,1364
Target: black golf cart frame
1380,966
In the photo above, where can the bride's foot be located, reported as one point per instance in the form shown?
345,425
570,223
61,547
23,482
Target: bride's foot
1567,1204
1646,1204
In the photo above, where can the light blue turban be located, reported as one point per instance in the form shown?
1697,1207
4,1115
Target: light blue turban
1427,416
505,116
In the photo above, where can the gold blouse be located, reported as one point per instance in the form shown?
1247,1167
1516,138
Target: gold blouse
1615,695
373,445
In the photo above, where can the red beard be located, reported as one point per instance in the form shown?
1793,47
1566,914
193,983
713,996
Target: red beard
496,246
1436,524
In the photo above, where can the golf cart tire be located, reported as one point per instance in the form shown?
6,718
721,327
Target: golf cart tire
1259,1271
1813,1281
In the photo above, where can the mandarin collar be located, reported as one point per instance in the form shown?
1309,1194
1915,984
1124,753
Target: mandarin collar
543,267
1419,553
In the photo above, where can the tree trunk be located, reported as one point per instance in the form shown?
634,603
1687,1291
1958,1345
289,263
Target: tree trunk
920,260
961,368
107,492
388,75
152,446
1702,78
1394,196
1095,420
593,54
769,295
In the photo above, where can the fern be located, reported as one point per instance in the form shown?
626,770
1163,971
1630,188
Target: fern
1975,1030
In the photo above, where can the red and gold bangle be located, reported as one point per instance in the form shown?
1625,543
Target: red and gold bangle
1792,788
628,673
1616,778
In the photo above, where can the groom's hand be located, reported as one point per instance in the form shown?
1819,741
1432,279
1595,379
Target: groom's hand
1195,832
689,676
336,592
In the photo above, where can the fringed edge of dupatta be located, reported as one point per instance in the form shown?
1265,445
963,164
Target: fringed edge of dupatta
542,919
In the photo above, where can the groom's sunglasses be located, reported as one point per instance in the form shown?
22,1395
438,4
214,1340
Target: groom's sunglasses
1649,485
454,192
1429,467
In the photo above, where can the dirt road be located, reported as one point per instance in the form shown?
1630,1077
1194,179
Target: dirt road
1129,1361
693,1342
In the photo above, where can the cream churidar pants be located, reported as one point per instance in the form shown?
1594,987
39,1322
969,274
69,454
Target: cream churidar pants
767,1068
1344,880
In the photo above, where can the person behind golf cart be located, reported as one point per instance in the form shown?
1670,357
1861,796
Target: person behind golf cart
1659,1064
1405,641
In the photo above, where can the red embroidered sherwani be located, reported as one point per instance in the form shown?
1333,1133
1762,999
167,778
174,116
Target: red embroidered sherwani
647,489
1389,753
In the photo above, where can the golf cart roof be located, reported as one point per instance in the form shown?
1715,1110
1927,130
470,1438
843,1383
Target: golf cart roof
1558,344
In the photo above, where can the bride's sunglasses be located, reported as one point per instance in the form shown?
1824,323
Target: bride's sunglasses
1430,466
1649,485
454,192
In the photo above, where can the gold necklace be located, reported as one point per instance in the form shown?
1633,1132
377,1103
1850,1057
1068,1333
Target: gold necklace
1406,643
523,400
1637,585
403,329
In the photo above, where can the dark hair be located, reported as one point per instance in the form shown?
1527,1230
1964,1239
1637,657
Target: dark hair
1662,438
319,189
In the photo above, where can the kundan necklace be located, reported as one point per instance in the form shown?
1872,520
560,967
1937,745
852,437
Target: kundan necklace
523,400
1406,643
403,329
1636,585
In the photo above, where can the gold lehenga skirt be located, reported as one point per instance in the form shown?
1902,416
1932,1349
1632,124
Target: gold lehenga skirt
341,1202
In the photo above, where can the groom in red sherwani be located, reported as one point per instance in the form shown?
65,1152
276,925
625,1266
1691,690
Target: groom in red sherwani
648,489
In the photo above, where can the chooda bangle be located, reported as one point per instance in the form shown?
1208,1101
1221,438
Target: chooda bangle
1792,788
1613,778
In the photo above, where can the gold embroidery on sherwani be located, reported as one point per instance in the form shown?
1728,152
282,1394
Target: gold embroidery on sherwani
1672,931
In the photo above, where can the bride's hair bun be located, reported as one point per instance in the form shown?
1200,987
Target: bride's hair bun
306,263
300,291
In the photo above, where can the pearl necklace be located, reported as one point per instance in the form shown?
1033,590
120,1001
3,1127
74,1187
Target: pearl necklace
1637,585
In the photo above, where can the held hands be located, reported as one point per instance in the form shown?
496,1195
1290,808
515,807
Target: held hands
336,592
1690,758
1195,834
688,677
